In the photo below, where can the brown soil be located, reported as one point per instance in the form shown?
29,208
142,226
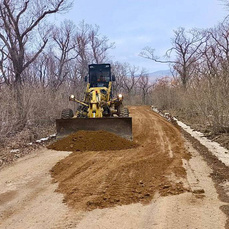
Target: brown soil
92,141
102,179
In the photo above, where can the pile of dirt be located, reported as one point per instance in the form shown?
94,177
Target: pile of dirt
96,180
104,179
92,141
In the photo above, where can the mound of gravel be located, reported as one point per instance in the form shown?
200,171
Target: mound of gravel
92,141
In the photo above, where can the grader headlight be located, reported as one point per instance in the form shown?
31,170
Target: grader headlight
120,97
71,97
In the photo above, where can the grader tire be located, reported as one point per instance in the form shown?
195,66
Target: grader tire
124,112
67,113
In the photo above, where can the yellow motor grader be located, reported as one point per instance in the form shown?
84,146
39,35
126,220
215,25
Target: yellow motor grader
99,110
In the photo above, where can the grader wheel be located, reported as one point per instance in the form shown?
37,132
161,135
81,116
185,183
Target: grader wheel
67,113
124,112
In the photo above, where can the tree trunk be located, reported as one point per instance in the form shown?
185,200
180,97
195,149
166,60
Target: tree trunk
21,114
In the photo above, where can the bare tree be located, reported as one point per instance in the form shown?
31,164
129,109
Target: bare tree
63,53
99,45
214,77
91,47
41,69
19,22
144,85
130,82
185,47
82,43
120,72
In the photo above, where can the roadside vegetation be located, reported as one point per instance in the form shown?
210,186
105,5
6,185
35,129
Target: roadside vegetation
198,92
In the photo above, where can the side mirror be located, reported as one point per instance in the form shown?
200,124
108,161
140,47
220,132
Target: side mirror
85,78
113,77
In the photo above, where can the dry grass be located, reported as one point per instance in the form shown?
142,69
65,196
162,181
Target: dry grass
41,106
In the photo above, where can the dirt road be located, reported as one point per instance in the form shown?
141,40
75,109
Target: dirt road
134,188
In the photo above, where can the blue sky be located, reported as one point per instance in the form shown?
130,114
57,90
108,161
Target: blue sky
134,24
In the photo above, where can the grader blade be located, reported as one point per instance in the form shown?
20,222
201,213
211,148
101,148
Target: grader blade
118,125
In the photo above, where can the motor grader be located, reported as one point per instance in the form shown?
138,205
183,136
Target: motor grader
99,110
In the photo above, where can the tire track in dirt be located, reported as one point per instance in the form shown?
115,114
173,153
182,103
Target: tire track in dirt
102,179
